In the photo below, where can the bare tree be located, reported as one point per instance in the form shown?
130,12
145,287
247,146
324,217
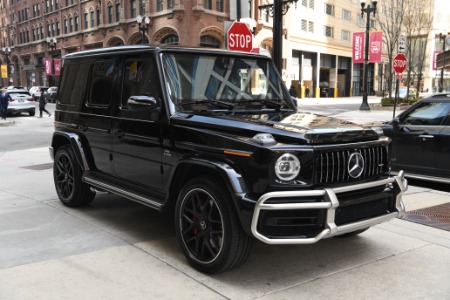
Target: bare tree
390,18
418,21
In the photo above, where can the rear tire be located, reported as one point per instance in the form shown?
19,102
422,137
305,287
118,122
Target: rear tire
32,113
71,190
208,229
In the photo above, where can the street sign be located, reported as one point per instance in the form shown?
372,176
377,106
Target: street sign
239,37
402,44
399,63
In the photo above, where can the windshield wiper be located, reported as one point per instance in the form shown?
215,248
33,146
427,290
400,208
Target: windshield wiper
267,102
216,102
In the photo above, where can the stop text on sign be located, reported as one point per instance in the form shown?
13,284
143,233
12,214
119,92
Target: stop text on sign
238,40
399,64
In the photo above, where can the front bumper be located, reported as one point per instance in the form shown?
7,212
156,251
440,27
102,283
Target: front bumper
325,203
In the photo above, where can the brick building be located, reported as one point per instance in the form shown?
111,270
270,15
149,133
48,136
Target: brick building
26,26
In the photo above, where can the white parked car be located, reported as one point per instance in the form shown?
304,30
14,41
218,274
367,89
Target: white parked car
22,101
36,90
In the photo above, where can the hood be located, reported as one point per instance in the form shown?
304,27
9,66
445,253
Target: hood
298,127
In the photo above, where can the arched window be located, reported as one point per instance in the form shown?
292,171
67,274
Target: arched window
209,41
171,39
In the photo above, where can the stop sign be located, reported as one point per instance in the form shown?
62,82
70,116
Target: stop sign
399,63
239,37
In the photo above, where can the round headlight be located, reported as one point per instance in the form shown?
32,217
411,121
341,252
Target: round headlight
287,167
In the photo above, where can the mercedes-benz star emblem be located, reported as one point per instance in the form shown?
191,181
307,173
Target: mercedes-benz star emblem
355,165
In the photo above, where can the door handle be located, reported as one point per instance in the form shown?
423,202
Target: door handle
120,133
426,136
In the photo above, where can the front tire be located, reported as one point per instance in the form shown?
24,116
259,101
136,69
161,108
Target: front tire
208,228
71,190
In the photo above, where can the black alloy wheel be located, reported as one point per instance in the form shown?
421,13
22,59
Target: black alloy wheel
71,190
208,229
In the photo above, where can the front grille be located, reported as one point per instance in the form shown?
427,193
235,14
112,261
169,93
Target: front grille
332,166
291,223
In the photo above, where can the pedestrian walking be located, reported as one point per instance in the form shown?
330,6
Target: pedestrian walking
42,103
4,101
293,92
307,92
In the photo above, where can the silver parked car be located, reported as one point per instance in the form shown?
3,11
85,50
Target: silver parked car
51,93
22,101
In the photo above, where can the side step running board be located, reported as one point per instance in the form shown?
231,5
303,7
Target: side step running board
122,192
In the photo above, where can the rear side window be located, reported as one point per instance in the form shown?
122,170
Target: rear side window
103,74
72,83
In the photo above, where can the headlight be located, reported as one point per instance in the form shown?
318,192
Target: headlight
287,167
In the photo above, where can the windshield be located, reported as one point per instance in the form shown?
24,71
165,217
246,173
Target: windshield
203,83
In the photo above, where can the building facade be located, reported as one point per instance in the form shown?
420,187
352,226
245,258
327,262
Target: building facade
26,26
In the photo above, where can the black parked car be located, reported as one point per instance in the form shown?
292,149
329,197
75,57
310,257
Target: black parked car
214,137
421,139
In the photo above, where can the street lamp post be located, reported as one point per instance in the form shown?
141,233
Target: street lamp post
369,9
143,26
443,38
52,45
277,9
7,52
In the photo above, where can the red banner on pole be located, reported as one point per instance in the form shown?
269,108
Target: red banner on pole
375,46
48,66
358,48
435,54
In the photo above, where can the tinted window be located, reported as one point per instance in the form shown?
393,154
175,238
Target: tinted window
72,83
103,74
140,83
428,113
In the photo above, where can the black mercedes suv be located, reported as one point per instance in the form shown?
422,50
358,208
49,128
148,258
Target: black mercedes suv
214,137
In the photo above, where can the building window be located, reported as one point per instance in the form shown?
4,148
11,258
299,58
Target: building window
66,25
209,41
311,4
360,21
159,5
207,4
305,3
170,40
346,15
49,31
219,5
345,35
58,29
329,9
117,12
76,22
110,14
304,25
86,22
311,27
70,25
98,16
133,8
329,31
169,4
142,7
92,19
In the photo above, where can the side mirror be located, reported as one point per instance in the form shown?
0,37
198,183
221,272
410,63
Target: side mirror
142,102
395,122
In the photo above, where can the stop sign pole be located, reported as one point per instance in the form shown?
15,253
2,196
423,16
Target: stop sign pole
399,65
239,37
